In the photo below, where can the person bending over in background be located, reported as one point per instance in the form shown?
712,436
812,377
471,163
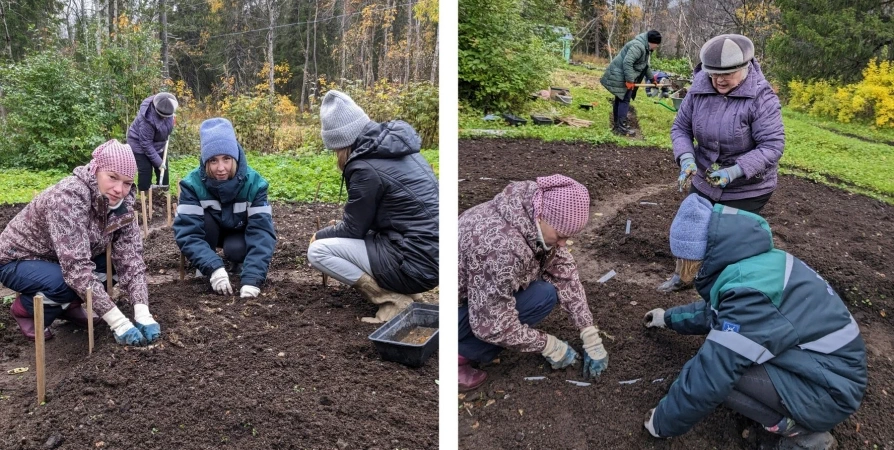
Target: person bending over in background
386,245
148,135
782,348
662,83
56,247
223,203
629,67
514,268
733,113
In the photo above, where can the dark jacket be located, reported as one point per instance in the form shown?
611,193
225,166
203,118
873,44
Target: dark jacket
237,204
69,223
392,205
630,64
743,127
149,132
764,306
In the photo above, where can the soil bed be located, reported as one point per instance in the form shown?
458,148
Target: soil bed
291,369
846,238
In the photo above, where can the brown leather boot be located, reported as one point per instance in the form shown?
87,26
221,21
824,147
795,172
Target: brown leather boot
26,321
469,377
390,303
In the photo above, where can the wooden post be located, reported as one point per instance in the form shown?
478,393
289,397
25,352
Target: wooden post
108,269
89,304
150,204
182,264
325,276
317,195
168,195
145,222
39,355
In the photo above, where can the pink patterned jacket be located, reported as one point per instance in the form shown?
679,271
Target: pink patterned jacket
69,223
500,252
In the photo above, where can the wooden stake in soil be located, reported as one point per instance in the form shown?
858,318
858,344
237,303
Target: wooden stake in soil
168,209
39,355
89,304
182,264
325,276
108,269
150,205
145,222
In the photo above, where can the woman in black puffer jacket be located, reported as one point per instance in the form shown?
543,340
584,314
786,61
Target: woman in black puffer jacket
386,245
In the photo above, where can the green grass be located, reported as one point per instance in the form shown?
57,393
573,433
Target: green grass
291,179
818,149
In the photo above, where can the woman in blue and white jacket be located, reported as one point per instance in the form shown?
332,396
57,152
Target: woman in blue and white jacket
782,348
223,203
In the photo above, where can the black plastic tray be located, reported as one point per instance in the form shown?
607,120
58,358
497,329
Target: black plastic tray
413,355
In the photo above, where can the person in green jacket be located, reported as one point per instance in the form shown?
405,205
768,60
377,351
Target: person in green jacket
630,66
782,348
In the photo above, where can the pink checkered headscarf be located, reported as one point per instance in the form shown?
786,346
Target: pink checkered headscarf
562,203
114,156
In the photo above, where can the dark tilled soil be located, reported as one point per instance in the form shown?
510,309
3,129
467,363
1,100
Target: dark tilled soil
291,369
846,238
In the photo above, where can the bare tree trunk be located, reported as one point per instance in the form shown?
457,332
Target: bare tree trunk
434,61
113,17
611,31
409,40
344,32
420,54
165,63
270,75
304,72
316,72
6,31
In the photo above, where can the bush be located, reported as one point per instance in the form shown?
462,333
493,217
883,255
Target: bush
419,107
501,60
255,119
676,66
55,116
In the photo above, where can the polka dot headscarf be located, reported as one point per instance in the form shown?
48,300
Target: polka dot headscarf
562,203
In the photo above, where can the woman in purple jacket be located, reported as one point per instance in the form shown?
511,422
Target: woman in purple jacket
148,135
734,115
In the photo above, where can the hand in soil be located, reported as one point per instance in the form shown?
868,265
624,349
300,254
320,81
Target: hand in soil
249,292
220,281
594,367
673,285
131,337
595,356
558,353
654,318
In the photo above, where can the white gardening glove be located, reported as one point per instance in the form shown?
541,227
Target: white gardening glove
654,319
595,356
559,353
249,291
125,332
649,423
220,281
146,323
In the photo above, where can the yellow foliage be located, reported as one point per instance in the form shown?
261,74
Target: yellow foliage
870,99
215,5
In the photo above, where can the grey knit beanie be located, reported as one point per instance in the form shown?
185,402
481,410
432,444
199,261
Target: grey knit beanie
726,53
217,137
165,104
689,230
342,120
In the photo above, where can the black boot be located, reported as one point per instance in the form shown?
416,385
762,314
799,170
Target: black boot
626,128
620,129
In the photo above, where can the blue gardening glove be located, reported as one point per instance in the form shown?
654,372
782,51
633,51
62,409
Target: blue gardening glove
721,178
559,353
125,332
595,356
687,168
145,323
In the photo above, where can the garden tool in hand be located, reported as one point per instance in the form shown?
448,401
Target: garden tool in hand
125,332
654,319
558,353
390,303
595,356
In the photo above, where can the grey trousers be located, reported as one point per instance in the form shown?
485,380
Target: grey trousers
344,259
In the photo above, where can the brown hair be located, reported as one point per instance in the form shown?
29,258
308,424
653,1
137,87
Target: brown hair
341,156
233,169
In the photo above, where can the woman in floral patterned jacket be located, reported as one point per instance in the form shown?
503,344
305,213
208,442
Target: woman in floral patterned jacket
56,246
514,268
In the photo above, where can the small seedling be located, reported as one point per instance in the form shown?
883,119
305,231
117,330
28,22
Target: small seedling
712,181
7,300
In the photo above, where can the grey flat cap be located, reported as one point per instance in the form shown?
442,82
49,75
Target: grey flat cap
726,53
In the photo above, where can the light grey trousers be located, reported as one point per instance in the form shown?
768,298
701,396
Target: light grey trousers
344,259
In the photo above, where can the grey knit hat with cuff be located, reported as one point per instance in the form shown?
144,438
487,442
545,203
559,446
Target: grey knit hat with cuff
689,230
165,104
726,53
342,120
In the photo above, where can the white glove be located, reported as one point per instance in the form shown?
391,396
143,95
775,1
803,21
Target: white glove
142,316
650,418
220,281
249,291
654,319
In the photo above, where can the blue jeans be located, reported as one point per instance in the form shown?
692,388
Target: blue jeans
533,305
30,277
